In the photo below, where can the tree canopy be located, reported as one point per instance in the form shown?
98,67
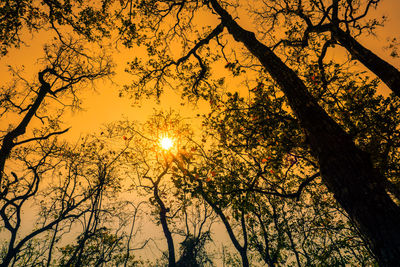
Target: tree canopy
294,161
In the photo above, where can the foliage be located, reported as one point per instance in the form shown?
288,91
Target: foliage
91,21
253,168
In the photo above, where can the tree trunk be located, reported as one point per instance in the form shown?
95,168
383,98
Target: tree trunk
245,260
386,72
346,171
241,249
164,224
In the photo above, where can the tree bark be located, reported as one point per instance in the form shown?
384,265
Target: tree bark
386,72
346,171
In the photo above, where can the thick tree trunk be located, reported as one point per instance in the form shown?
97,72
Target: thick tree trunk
346,171
386,72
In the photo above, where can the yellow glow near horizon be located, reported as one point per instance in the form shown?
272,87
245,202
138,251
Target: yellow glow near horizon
166,143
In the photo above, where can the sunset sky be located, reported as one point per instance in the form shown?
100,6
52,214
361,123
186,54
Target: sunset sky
104,105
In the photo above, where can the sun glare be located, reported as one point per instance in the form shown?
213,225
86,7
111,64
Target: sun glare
166,143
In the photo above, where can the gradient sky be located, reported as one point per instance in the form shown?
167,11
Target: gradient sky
104,105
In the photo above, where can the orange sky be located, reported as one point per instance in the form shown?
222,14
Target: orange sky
104,105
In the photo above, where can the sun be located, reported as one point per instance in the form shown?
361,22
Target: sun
166,143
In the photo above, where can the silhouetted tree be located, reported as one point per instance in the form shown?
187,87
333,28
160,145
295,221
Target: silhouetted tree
345,169
152,169
342,20
28,156
91,21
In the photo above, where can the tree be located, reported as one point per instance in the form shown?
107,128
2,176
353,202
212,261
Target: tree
346,170
264,144
343,20
27,156
91,21
80,198
311,126
152,172
256,175
204,181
